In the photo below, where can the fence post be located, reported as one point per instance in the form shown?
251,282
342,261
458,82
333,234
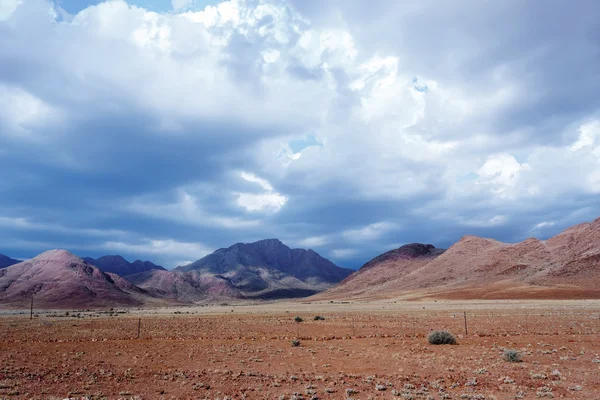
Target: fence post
139,327
466,330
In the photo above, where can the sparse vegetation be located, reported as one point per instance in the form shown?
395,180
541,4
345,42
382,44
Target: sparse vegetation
511,355
295,343
298,319
319,318
441,337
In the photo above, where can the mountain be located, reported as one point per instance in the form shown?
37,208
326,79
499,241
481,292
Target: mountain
120,266
186,287
565,266
7,261
376,277
59,279
266,269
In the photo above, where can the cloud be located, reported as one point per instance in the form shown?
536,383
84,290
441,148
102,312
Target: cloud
7,8
314,241
333,125
255,179
501,172
179,5
186,209
343,253
369,232
23,113
267,201
260,202
27,224
160,247
496,220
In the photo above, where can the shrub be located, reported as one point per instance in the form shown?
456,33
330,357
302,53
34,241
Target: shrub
298,319
441,337
295,343
512,355
319,318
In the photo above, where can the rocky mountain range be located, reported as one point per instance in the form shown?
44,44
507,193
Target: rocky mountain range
564,266
267,269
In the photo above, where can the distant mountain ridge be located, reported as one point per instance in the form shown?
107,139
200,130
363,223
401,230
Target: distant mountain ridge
269,268
118,265
566,266
57,278
375,276
263,270
6,261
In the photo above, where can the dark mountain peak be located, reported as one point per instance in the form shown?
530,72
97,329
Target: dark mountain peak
141,266
116,264
113,258
6,261
269,242
269,265
267,245
414,250
408,251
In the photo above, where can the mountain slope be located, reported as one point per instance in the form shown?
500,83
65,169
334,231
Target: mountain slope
60,279
373,279
120,266
187,287
269,269
564,266
7,261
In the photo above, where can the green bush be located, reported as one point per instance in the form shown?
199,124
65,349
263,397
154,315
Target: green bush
298,319
512,355
319,318
295,343
441,337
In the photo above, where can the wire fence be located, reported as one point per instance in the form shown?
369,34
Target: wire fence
352,325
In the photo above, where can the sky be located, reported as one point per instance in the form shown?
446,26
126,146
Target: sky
165,130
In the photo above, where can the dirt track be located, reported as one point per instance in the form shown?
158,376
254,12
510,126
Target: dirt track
214,352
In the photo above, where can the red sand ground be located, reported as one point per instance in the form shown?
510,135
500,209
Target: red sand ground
214,353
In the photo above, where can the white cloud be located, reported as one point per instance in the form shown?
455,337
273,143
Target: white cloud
160,247
314,241
496,220
501,172
544,224
267,201
589,137
23,112
179,5
369,232
27,224
255,179
8,7
343,253
261,202
187,210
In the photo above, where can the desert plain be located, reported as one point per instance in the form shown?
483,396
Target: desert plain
359,350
